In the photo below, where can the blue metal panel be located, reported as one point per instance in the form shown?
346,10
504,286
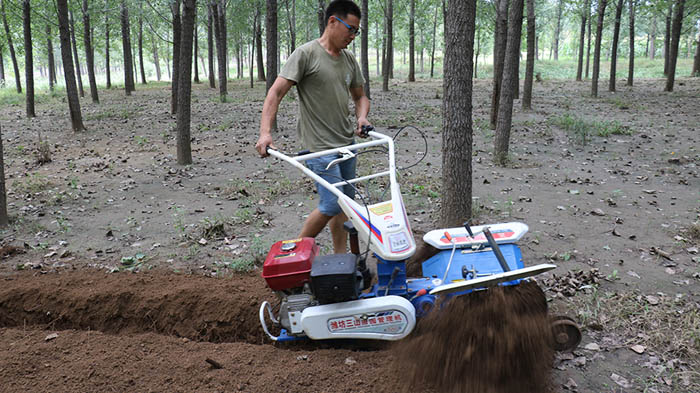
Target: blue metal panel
484,261
385,269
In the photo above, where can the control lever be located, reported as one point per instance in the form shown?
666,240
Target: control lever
346,155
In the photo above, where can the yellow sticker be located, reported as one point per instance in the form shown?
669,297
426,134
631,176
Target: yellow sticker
291,241
382,209
285,255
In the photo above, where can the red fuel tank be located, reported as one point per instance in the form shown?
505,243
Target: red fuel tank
288,264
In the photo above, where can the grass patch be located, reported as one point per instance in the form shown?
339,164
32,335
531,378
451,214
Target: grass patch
32,184
581,130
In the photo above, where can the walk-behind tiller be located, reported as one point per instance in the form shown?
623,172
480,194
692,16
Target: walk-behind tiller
330,296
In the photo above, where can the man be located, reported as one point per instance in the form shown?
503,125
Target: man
326,75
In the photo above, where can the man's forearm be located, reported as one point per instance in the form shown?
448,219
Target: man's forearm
362,108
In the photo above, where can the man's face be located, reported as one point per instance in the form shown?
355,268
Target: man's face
346,34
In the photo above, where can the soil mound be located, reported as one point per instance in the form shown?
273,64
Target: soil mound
493,341
196,307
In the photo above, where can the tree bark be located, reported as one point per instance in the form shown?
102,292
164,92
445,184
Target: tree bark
177,42
530,63
582,39
652,40
210,48
557,31
667,37
78,72
696,59
510,71
258,45
412,43
676,38
271,42
49,53
389,58
292,20
432,50
219,24
596,53
126,45
107,66
499,44
364,44
89,54
13,56
196,53
156,61
588,45
140,44
457,113
28,59
4,219
321,13
616,40
2,65
630,68
184,151
68,70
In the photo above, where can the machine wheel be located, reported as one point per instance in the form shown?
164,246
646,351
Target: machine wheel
566,333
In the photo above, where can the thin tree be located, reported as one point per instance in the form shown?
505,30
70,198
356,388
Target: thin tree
696,59
219,32
652,38
140,44
177,43
364,44
292,21
557,30
530,62
434,43
596,53
184,151
616,40
675,40
4,219
210,48
271,41
667,37
457,113
588,44
107,66
156,61
582,38
126,46
89,53
510,70
68,70
388,58
196,53
258,44
49,53
630,69
28,59
75,55
412,42
2,65
499,45
321,12
13,56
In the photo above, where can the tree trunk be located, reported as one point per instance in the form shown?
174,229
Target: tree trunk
224,49
219,24
557,31
2,65
78,73
530,63
500,39
184,151
107,66
630,69
652,40
177,42
321,13
292,21
28,59
457,114
696,59
676,37
18,82
596,53
588,45
271,41
196,53
616,39
126,45
432,50
582,39
412,43
258,45
89,54
4,219
510,71
210,48
476,54
49,53
140,44
388,59
156,61
68,70
667,37
364,44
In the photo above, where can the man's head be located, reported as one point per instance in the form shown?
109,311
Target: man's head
342,22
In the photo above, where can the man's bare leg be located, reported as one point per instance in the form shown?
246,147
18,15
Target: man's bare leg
340,236
314,224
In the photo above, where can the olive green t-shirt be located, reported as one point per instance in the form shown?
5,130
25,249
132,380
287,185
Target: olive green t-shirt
323,83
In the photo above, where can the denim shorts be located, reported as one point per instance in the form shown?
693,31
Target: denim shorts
328,204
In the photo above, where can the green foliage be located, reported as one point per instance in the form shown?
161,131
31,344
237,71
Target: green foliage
581,130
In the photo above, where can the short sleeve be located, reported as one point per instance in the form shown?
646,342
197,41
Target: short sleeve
357,79
293,69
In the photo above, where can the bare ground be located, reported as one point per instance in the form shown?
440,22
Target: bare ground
608,186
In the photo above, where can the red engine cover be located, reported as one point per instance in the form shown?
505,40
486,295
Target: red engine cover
288,264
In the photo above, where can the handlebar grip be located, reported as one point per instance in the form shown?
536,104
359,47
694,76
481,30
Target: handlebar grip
364,130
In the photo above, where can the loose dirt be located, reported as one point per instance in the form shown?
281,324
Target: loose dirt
614,203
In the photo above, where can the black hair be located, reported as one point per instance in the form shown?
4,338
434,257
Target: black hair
342,8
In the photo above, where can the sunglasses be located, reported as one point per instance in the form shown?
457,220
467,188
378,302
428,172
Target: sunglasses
353,30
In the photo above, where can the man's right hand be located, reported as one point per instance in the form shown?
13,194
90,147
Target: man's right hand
264,142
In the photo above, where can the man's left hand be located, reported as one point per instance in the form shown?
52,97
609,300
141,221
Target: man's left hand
362,122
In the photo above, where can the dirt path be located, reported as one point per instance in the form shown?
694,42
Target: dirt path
608,186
